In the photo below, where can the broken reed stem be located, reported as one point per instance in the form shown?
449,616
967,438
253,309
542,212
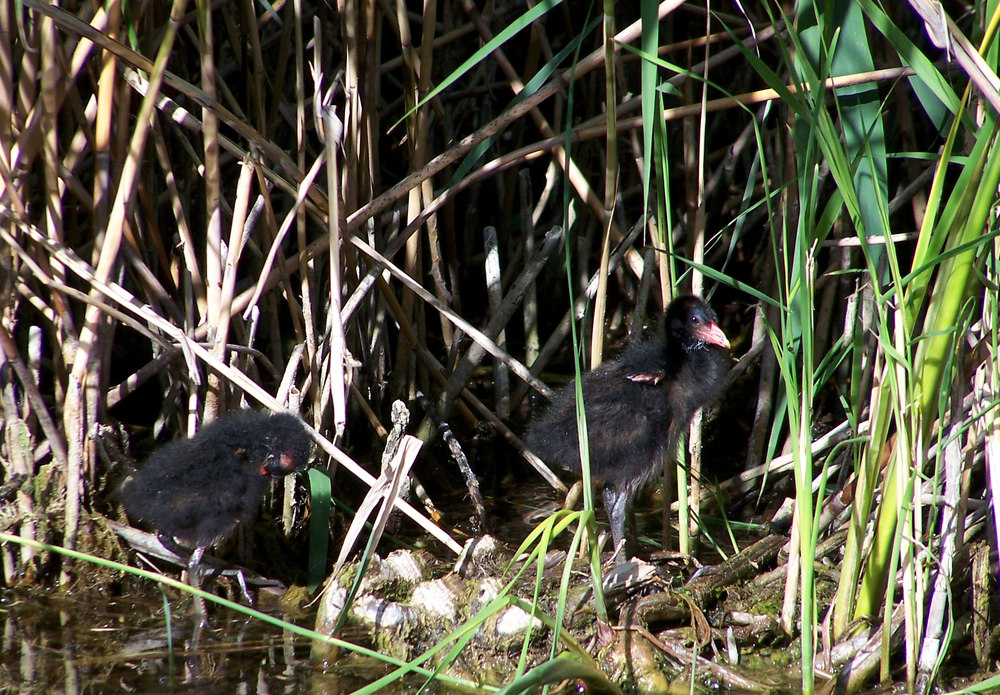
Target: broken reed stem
494,294
212,178
225,295
697,254
333,131
471,482
530,310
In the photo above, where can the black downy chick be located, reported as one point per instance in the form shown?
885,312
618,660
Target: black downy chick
637,406
196,491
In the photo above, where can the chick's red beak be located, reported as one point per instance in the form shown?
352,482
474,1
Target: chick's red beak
712,334
277,465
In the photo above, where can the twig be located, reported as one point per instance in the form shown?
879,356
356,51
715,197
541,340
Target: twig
455,448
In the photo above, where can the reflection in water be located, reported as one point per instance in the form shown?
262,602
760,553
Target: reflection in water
55,642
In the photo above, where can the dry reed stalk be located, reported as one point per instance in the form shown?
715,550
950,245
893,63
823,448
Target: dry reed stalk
94,34
360,139
494,294
694,153
74,425
952,527
307,279
257,87
421,122
763,409
103,133
605,215
404,373
228,280
333,136
7,100
530,311
212,177
76,413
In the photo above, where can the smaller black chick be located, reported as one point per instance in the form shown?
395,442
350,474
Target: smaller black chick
637,406
197,490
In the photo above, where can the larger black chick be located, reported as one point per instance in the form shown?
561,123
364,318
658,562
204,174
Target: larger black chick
637,406
197,490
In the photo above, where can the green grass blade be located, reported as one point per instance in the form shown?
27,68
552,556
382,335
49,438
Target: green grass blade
319,527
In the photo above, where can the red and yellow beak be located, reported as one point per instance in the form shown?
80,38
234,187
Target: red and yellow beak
711,333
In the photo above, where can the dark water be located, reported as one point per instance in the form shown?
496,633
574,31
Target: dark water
57,642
